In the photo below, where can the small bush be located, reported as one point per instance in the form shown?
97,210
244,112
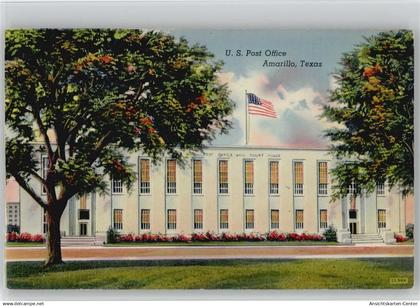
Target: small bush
38,238
330,234
400,238
12,237
24,237
112,236
409,231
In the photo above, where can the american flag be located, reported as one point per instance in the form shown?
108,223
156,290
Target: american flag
258,106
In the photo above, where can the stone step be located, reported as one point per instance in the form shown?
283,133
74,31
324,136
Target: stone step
88,240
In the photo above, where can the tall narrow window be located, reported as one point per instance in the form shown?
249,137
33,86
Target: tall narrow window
198,219
171,176
224,219
249,177
323,218
299,218
171,219
298,177
144,175
322,178
381,218
118,219
223,177
274,177
44,171
117,186
45,222
380,189
249,219
275,218
145,219
197,176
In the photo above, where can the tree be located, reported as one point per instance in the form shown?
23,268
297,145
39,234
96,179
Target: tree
373,106
96,95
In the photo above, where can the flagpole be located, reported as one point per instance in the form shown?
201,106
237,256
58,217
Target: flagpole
246,117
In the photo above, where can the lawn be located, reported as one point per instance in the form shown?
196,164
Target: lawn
377,273
24,244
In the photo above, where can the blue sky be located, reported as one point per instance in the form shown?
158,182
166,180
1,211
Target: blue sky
296,93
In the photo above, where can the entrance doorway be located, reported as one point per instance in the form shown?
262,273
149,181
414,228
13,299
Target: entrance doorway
353,227
83,229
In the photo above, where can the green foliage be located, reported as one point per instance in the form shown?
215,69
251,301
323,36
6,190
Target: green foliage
409,231
89,97
112,236
373,107
330,233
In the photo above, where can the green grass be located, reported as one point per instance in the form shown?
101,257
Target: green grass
221,243
215,274
24,244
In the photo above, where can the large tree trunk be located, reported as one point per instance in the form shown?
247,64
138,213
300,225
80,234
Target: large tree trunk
53,237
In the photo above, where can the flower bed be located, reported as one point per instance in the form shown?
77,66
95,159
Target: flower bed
226,237
24,237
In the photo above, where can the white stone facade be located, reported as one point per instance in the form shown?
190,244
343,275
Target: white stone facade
254,204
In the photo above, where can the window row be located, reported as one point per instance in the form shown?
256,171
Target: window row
198,219
223,177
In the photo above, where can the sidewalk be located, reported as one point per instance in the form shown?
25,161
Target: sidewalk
211,252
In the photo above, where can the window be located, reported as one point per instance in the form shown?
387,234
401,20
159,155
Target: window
323,218
249,177
381,218
198,219
83,229
144,175
44,171
298,177
299,219
145,219
197,176
13,214
171,176
118,219
322,178
171,218
275,218
380,189
353,214
224,218
249,219
45,222
223,177
274,177
83,214
117,186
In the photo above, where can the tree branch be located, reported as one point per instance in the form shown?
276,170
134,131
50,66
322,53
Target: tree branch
29,190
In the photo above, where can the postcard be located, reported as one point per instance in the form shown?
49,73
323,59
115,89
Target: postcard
209,159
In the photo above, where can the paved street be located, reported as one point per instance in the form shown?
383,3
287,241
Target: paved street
211,252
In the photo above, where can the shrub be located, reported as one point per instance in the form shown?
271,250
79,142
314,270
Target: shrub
229,237
400,238
182,238
38,238
293,237
112,236
24,237
12,237
127,238
409,231
330,233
